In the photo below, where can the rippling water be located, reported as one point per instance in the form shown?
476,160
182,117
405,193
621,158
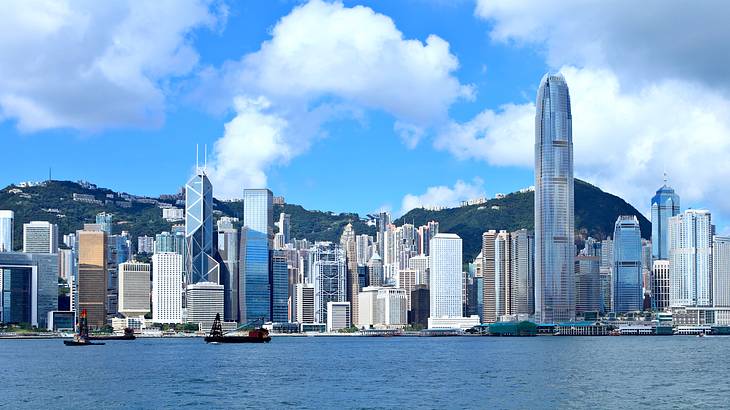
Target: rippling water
347,372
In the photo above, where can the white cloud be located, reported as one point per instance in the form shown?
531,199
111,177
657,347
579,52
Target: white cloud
623,141
640,43
327,61
91,65
444,196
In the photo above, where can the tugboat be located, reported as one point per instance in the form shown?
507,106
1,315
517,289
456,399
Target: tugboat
256,334
82,337
128,335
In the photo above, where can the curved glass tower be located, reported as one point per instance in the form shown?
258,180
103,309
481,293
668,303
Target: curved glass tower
664,205
554,219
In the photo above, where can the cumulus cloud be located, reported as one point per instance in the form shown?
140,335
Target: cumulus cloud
445,196
623,141
91,65
658,40
346,59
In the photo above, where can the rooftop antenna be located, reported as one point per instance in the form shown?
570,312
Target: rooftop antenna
197,164
205,158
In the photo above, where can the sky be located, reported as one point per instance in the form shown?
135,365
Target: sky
365,105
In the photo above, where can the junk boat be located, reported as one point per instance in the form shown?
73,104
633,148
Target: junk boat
128,335
256,334
82,337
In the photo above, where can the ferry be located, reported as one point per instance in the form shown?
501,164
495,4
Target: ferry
256,334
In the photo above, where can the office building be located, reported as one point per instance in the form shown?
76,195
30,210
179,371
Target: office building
92,271
7,219
200,263
256,242
364,249
304,302
664,205
419,263
146,244
338,316
349,245
330,277
104,220
554,216
40,237
721,279
390,307
660,285
134,289
407,279
375,270
446,276
488,274
167,287
204,300
420,306
29,288
279,287
523,272
284,226
690,259
587,284
227,244
627,273
503,274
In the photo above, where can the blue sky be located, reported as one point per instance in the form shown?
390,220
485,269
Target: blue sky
122,103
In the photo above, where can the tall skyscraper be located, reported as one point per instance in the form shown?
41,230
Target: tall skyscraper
488,273
228,251
93,279
660,285
167,287
627,280
587,284
503,273
664,205
104,219
690,259
30,287
330,277
200,263
134,289
523,272
284,226
279,280
40,237
6,230
256,243
721,279
348,243
554,217
446,278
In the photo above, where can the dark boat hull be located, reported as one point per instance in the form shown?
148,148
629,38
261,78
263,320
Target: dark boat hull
125,337
237,339
75,343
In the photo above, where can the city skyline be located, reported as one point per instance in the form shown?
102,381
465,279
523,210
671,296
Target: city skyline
482,97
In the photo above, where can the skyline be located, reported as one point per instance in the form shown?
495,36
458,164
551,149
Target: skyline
487,78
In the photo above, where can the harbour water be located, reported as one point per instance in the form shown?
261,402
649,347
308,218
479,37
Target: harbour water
361,372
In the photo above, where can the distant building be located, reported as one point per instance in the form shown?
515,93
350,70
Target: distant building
29,288
200,263
40,237
204,301
391,310
256,243
173,214
420,264
104,220
134,289
488,273
420,306
167,287
6,230
146,244
587,284
284,225
721,279
304,301
660,285
690,259
228,250
279,287
338,316
446,302
664,205
92,271
330,279
522,260
627,278
61,321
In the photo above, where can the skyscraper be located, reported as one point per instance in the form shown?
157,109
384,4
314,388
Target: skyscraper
93,280
30,287
6,230
690,259
104,219
488,273
627,281
446,278
330,277
587,284
348,243
279,280
721,279
523,272
256,243
664,205
200,264
660,285
167,287
40,237
228,251
554,217
134,289
284,226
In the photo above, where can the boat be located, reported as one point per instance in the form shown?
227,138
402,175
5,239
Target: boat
256,334
81,338
128,335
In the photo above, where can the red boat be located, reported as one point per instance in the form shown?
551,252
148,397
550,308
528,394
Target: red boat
256,334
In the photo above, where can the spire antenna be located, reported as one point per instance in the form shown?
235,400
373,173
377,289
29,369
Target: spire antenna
197,162
205,158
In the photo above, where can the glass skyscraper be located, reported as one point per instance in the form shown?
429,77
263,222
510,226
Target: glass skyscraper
200,265
554,218
664,205
256,244
627,283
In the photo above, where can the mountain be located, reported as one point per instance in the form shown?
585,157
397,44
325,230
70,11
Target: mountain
71,204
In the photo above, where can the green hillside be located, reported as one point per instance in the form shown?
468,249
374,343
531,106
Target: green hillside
595,213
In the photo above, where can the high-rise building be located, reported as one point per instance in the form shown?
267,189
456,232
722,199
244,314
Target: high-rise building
146,244
284,226
721,279
503,273
690,259
446,287
92,271
627,279
375,270
228,252
554,216
164,242
29,288
200,263
419,263
256,243
304,302
204,300
167,287
606,275
104,219
488,273
6,230
664,205
330,277
279,287
40,237
338,316
420,306
349,244
407,279
134,289
364,249
523,272
391,308
587,284
660,285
